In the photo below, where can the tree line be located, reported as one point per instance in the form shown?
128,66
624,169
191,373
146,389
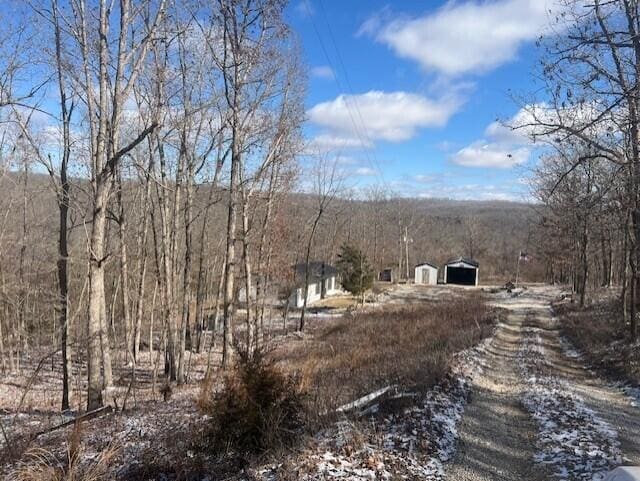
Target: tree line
588,179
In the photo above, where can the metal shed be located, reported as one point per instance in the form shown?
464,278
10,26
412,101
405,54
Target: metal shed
426,274
387,275
461,271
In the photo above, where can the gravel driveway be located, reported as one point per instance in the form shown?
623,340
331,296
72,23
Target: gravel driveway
501,440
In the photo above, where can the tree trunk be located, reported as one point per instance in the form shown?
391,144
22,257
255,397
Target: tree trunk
186,285
142,271
124,274
230,259
96,320
168,282
307,259
584,262
63,288
248,283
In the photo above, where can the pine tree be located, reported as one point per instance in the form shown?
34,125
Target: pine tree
354,269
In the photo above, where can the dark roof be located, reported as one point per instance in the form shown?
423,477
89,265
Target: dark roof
427,264
466,260
318,271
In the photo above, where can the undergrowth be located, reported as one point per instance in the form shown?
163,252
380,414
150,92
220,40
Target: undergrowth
43,465
410,345
599,332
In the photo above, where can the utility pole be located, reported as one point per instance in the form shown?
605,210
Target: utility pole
406,240
400,241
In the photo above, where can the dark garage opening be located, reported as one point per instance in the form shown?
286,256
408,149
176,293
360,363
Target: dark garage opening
461,275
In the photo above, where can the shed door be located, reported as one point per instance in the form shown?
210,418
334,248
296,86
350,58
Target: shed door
425,276
461,275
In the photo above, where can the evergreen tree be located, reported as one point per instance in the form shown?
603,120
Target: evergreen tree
354,269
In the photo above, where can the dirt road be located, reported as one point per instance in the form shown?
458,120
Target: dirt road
537,413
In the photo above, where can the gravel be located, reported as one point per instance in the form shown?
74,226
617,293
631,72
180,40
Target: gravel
501,436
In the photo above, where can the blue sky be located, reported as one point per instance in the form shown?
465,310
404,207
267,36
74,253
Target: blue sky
407,94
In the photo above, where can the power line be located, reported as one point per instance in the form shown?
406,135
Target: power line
376,164
364,142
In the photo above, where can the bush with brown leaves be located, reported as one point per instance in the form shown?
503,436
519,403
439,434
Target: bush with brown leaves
259,409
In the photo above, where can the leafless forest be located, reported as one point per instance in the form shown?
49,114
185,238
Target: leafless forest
157,190
169,184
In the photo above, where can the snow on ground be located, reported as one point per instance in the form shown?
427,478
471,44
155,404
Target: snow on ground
569,350
414,443
572,438
632,392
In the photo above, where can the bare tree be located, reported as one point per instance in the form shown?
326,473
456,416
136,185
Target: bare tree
104,88
592,74
327,183
245,51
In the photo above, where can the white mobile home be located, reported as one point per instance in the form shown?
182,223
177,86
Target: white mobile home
323,282
426,274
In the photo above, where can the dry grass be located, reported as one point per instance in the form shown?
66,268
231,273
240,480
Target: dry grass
336,302
43,465
410,346
336,361
599,332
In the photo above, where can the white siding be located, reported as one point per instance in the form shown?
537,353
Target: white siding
315,292
333,287
426,274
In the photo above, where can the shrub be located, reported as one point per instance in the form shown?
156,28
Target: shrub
259,409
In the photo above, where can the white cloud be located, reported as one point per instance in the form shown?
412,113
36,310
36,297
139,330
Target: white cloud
470,192
365,171
426,178
491,154
505,144
323,72
507,133
328,142
346,160
458,186
445,146
520,128
375,115
463,37
462,193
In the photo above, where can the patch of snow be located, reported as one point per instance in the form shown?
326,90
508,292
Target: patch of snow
572,438
570,350
412,444
632,392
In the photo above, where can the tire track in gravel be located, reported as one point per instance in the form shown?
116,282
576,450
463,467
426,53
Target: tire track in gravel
497,436
603,397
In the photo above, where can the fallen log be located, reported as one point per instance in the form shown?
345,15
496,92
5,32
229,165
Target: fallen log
365,400
83,417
